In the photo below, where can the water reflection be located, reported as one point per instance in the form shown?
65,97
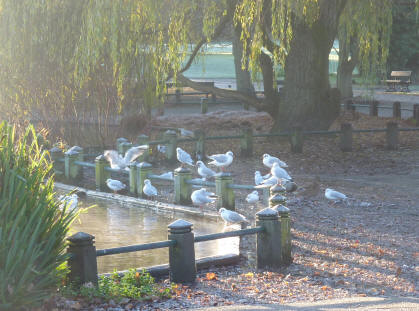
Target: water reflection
115,225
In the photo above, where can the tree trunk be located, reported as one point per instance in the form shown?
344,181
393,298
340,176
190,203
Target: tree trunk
243,79
309,102
348,58
344,79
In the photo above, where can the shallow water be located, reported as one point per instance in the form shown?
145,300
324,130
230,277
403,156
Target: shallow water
115,225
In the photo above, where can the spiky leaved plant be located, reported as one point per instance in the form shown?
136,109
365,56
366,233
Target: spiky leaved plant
32,227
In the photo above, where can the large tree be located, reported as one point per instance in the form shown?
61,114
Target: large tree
146,42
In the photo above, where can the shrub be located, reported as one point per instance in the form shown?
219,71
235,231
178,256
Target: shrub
133,285
32,227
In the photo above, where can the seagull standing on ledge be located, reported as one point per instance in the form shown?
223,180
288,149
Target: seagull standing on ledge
252,197
115,185
204,171
201,197
69,202
334,195
269,160
148,189
183,157
231,217
222,160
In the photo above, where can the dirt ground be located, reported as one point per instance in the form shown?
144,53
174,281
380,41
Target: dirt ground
369,247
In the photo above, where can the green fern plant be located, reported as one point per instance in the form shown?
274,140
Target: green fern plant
32,227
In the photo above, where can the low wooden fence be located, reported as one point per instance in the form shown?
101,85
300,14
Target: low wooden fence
374,106
273,247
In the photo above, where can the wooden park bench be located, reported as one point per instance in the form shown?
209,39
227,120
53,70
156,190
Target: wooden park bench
399,78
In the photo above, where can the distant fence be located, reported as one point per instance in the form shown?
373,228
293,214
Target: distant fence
273,247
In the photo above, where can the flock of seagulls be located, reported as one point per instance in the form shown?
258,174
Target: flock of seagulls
277,176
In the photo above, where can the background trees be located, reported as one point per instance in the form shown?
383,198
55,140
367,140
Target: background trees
111,56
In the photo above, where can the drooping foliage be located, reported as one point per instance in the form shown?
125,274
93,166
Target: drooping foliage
136,45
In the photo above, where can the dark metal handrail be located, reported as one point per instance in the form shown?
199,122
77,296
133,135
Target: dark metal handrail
134,248
216,236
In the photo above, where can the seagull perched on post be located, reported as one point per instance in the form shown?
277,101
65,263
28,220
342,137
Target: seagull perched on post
118,162
222,160
279,172
204,171
232,217
252,197
269,160
201,197
148,189
334,195
183,157
185,132
115,185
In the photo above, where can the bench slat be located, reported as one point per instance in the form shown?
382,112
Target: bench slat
401,73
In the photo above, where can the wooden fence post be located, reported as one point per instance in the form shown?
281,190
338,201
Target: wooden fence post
171,146
177,96
183,190
119,141
349,105
284,215
82,263
373,108
214,97
225,194
200,144
133,178
246,143
182,254
124,147
346,137
101,174
416,113
296,140
142,139
265,195
397,113
268,245
71,170
143,169
392,136
56,154
204,105
276,196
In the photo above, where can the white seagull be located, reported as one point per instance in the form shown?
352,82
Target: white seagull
69,202
201,197
186,133
334,195
161,148
183,157
118,162
221,160
231,217
279,172
269,160
148,189
115,185
74,150
204,171
168,175
252,197
271,181
259,178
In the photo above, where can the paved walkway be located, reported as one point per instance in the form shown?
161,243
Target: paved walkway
357,303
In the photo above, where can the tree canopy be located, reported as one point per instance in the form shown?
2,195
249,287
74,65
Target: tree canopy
137,45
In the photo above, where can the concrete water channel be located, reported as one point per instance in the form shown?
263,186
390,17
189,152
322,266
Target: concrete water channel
117,224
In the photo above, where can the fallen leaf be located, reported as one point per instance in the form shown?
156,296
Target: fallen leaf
249,275
211,276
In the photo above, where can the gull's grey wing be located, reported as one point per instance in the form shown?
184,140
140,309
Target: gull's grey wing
133,153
